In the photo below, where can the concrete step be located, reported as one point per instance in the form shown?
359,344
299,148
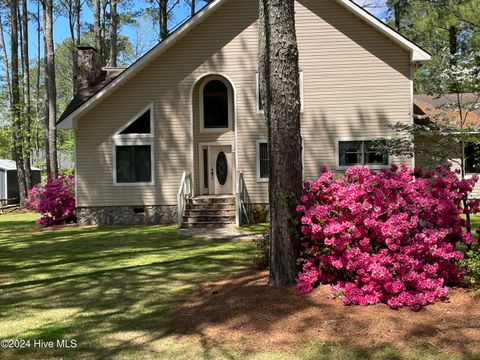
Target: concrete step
209,212
208,218
213,200
208,207
208,225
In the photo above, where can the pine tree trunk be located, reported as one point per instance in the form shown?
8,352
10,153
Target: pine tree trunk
96,26
16,106
279,73
78,12
453,41
51,88
7,63
75,33
73,50
397,10
103,30
26,95
113,33
37,85
163,19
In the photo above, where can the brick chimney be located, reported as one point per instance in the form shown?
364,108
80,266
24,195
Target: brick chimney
89,66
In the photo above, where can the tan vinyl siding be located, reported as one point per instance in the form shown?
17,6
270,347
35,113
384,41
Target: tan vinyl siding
355,82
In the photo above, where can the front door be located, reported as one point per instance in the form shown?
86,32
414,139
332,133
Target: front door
221,170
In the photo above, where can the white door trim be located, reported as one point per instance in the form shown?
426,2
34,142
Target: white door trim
201,165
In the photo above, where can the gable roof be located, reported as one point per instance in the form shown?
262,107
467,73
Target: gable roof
82,104
84,94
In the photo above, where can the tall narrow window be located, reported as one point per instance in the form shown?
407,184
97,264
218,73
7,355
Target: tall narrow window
215,105
205,168
263,160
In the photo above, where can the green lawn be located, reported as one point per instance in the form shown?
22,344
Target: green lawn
475,222
110,289
256,227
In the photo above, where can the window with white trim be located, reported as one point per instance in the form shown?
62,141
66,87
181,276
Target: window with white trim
359,152
259,103
133,151
263,161
134,163
216,105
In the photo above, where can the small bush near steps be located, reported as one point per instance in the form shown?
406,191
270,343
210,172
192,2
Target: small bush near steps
55,200
262,243
471,264
384,237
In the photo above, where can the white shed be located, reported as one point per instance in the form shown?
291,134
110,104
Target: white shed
8,179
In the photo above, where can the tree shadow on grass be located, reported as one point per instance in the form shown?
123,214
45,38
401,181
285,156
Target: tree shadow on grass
108,288
127,290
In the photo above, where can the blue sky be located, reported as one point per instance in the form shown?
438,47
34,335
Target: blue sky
149,35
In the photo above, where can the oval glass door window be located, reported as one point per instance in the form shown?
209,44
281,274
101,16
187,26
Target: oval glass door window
222,168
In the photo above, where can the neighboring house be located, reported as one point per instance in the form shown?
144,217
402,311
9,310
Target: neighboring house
9,182
187,115
444,109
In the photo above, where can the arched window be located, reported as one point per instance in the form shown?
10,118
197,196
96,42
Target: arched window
215,105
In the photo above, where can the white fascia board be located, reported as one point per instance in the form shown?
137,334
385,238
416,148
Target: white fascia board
417,53
70,121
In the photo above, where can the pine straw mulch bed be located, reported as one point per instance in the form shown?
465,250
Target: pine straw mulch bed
242,311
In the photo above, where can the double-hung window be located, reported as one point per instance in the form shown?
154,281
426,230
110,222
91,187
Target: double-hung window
357,152
133,151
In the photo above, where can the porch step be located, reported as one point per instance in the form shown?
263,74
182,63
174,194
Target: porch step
210,207
208,225
208,218
210,212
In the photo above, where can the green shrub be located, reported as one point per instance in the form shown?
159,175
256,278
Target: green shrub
471,264
262,243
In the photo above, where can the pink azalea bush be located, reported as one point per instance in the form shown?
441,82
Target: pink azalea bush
32,202
55,200
384,237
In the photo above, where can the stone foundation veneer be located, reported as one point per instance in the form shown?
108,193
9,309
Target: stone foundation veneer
127,215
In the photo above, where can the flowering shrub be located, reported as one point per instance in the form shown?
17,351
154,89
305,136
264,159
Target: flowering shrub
55,200
33,197
384,237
